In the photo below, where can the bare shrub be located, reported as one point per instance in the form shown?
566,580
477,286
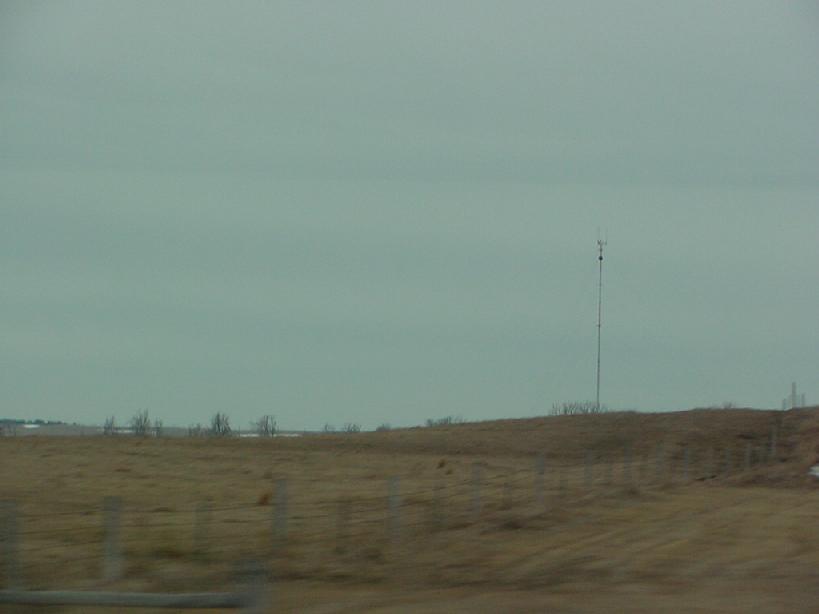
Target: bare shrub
265,426
141,423
723,405
220,425
196,430
351,427
383,427
328,428
157,428
109,426
576,408
445,421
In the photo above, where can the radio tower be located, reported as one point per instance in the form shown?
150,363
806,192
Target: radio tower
600,244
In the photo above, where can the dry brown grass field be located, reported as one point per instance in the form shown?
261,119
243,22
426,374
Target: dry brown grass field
738,535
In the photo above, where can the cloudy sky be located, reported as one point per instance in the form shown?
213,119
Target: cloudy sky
388,211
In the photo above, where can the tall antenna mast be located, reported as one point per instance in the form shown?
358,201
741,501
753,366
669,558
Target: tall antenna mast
600,244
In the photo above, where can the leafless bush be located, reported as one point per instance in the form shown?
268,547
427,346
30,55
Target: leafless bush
157,428
141,423
328,428
109,426
723,405
196,430
445,421
575,408
220,425
351,427
265,426
383,427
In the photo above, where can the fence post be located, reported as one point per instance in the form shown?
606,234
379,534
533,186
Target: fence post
342,524
609,479
540,472
728,467
660,463
476,490
642,468
588,478
773,444
280,514
393,509
201,529
11,544
112,563
710,464
506,501
436,514
627,476
255,587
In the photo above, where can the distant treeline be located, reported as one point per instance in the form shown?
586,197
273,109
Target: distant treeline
21,421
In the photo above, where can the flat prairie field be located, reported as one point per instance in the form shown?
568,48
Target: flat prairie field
694,511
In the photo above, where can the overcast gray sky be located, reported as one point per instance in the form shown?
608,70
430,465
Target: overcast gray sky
387,211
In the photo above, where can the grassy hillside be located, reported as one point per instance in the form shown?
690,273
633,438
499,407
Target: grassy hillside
725,537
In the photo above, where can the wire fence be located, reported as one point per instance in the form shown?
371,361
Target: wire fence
103,540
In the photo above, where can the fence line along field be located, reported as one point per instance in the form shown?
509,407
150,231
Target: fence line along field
704,510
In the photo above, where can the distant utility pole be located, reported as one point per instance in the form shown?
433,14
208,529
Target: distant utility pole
600,244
